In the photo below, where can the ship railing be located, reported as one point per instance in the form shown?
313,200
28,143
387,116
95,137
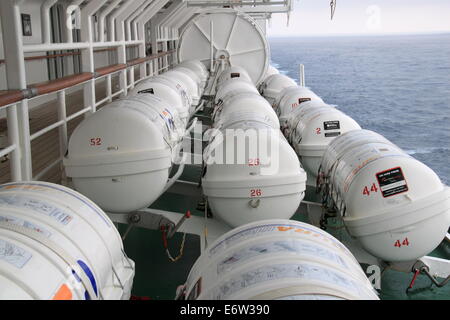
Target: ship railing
250,6
18,148
128,25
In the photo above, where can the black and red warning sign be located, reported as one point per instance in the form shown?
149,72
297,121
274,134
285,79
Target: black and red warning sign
331,125
392,182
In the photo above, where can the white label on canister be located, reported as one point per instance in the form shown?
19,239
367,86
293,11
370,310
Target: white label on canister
283,271
13,254
38,206
261,229
282,246
26,224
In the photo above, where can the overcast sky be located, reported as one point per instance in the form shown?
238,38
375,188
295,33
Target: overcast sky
312,17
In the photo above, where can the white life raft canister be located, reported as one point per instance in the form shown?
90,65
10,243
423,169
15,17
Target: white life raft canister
120,156
277,259
395,205
57,244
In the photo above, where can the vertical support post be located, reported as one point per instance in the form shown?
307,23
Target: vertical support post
109,87
122,58
69,9
166,57
62,132
154,40
302,75
131,70
175,55
101,19
211,30
151,68
45,20
62,115
13,138
16,80
87,55
141,36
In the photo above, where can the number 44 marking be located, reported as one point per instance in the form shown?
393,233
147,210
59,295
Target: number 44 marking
366,190
405,242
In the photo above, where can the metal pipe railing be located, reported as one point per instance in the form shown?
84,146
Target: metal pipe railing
63,119
47,87
16,101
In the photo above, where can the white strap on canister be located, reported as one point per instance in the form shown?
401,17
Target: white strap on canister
63,254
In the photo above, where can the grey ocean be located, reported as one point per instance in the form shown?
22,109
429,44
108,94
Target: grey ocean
398,86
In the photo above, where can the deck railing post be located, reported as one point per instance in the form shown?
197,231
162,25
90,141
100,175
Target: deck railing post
62,131
109,87
24,138
13,139
166,56
16,80
87,55
62,115
155,47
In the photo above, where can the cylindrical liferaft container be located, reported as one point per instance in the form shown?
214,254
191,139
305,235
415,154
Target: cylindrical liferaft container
189,83
290,98
167,90
57,244
246,106
312,126
231,88
120,156
271,87
193,75
252,173
270,71
395,205
235,73
199,68
277,259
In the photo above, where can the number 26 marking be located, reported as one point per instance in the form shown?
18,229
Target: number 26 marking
255,192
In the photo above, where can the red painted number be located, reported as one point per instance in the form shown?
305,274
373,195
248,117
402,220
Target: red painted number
255,192
398,244
366,190
96,141
294,105
318,131
374,188
253,162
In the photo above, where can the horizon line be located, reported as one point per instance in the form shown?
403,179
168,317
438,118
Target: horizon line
413,33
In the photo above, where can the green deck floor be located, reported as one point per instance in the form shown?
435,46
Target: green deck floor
157,277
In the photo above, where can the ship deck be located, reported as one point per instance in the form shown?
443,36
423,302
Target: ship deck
156,276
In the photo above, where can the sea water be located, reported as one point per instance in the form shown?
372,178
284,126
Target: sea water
398,86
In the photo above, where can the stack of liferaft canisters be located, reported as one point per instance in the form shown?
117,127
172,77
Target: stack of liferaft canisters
396,206
252,173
